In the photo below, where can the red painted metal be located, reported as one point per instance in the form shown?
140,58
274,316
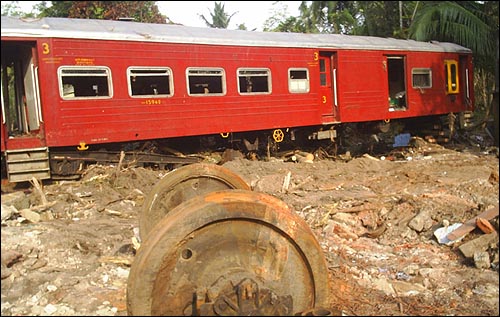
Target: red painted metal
361,90
122,118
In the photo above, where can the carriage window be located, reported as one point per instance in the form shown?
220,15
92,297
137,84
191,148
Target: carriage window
84,82
298,80
421,77
254,80
322,73
150,82
451,73
206,81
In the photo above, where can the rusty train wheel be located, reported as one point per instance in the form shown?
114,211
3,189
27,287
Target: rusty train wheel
230,252
182,184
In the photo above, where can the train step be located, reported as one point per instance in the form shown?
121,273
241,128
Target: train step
24,164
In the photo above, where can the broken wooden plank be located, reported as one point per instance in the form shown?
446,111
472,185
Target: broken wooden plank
471,224
359,208
127,261
39,190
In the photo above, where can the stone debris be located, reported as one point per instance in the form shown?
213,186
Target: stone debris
67,246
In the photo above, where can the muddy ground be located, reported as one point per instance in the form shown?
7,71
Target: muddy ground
67,246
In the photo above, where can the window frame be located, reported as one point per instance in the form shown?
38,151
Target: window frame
60,78
240,75
421,71
201,70
451,76
168,72
292,82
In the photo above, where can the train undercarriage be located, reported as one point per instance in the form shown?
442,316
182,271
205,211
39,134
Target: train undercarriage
166,154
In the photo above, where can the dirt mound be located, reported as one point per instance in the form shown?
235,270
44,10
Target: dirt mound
67,248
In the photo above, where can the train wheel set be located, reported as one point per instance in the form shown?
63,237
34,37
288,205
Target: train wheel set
212,246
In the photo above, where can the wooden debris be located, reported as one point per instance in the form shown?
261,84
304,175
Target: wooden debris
286,182
127,261
112,212
471,224
370,157
359,208
300,156
39,190
342,230
120,162
172,151
484,225
40,208
376,232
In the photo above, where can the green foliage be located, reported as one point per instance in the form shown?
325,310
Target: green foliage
140,11
377,18
13,9
242,27
385,18
463,23
56,9
277,21
220,19
333,16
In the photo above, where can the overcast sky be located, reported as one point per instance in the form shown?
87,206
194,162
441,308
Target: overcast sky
251,13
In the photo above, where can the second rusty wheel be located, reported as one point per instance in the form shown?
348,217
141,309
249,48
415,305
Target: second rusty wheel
231,252
180,185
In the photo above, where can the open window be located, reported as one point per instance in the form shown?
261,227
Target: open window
147,82
253,81
206,81
451,75
84,82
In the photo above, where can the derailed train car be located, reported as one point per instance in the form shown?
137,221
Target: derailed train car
76,91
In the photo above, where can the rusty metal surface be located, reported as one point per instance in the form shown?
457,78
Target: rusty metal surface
243,299
182,184
222,246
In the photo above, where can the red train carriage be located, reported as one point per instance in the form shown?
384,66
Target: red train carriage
71,87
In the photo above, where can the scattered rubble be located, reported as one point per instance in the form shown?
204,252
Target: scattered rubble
67,246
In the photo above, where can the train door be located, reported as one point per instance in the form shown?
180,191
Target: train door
20,97
464,78
328,86
23,141
396,73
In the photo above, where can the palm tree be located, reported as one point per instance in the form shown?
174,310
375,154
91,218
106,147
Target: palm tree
328,16
464,23
471,24
220,19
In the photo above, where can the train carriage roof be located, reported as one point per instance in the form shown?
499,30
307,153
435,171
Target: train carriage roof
171,33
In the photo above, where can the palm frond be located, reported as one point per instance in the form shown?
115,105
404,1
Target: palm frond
449,21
